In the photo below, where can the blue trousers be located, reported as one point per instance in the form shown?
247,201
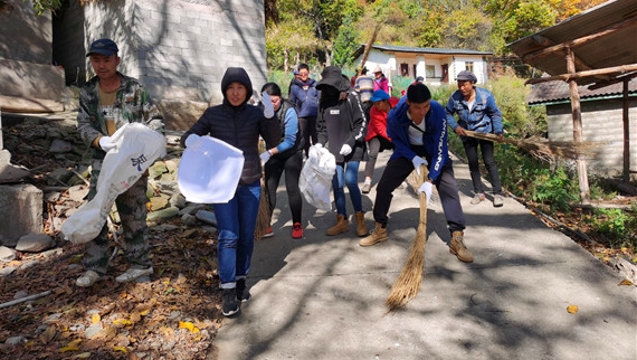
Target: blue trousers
347,174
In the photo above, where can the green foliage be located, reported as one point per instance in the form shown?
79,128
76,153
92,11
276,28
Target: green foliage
616,226
345,45
519,119
282,79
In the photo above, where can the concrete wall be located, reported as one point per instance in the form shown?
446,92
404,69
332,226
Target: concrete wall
179,49
25,36
601,122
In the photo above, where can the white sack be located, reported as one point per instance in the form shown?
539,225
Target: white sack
136,149
316,178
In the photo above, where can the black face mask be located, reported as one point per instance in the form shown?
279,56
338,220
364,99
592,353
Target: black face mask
329,92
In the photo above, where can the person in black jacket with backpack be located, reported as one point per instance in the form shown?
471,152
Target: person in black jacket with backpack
341,124
239,124
287,154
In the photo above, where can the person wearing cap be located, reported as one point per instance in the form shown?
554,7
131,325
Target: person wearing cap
108,101
477,111
341,124
286,155
380,81
377,138
239,124
305,97
417,126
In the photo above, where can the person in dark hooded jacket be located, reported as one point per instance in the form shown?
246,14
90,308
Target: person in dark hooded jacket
238,124
341,124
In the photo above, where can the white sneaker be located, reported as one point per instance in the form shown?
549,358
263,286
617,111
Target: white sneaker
89,278
133,273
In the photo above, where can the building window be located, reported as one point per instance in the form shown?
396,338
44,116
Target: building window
468,66
430,71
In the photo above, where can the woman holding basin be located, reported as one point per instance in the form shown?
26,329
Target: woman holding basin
238,124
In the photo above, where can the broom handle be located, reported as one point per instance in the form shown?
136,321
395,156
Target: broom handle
424,173
490,137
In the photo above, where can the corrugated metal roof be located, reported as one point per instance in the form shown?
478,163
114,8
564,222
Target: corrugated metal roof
609,50
555,91
421,50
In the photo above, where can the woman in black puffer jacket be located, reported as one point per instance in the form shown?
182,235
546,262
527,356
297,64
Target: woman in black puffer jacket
238,124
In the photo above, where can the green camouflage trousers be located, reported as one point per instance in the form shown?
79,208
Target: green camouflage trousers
131,206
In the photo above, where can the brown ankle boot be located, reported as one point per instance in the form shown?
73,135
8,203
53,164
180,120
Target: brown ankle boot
458,248
342,225
379,234
361,228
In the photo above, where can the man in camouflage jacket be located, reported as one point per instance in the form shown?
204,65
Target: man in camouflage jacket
108,101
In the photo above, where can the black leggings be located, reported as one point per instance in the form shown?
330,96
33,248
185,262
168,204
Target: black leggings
274,169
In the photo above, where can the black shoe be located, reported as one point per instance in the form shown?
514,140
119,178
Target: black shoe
242,292
230,305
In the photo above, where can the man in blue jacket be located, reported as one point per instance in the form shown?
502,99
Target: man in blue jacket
418,128
477,111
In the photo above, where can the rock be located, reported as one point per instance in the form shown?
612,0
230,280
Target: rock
7,270
59,177
60,146
20,294
192,209
188,220
54,252
178,201
158,203
163,214
35,243
207,217
52,197
7,254
29,264
20,211
15,340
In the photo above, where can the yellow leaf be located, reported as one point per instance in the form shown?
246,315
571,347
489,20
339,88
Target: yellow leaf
122,322
72,346
188,325
96,318
84,355
626,282
572,309
144,312
120,348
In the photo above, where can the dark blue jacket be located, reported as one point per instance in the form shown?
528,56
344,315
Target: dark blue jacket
484,117
434,137
305,97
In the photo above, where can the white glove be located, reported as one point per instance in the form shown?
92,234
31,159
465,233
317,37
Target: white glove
265,156
417,161
345,150
193,140
427,188
268,107
106,143
318,145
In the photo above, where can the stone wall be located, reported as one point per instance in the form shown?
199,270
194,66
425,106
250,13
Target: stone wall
179,49
601,122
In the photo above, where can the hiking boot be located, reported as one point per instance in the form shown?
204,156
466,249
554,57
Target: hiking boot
366,187
378,235
341,226
297,230
361,228
457,247
478,198
89,278
134,273
268,233
243,294
498,200
230,304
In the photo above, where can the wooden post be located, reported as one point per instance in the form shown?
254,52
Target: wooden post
626,132
576,111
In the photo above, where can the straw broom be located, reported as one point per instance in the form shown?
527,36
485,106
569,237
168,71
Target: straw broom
410,278
264,215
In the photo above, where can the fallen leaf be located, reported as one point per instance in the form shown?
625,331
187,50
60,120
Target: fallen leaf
625,282
188,325
122,322
572,309
48,335
72,346
84,355
96,318
120,348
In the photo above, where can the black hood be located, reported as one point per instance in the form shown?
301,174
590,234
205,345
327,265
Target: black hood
332,76
236,74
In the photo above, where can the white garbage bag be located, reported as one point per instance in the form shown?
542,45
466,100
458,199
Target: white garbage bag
316,178
209,170
136,149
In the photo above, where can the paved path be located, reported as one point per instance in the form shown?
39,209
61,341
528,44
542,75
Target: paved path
323,297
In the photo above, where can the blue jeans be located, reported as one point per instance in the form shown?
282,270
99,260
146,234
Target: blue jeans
236,221
347,174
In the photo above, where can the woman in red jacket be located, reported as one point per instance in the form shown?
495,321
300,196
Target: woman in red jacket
377,138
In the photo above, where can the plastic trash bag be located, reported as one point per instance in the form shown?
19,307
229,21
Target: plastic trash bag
209,170
316,178
136,149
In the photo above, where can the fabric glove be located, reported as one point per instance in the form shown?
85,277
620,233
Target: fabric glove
106,143
318,145
345,150
265,156
417,161
427,188
268,107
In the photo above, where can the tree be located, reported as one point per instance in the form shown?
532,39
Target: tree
344,45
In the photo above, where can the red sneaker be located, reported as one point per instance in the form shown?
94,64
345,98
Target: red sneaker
297,231
268,233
